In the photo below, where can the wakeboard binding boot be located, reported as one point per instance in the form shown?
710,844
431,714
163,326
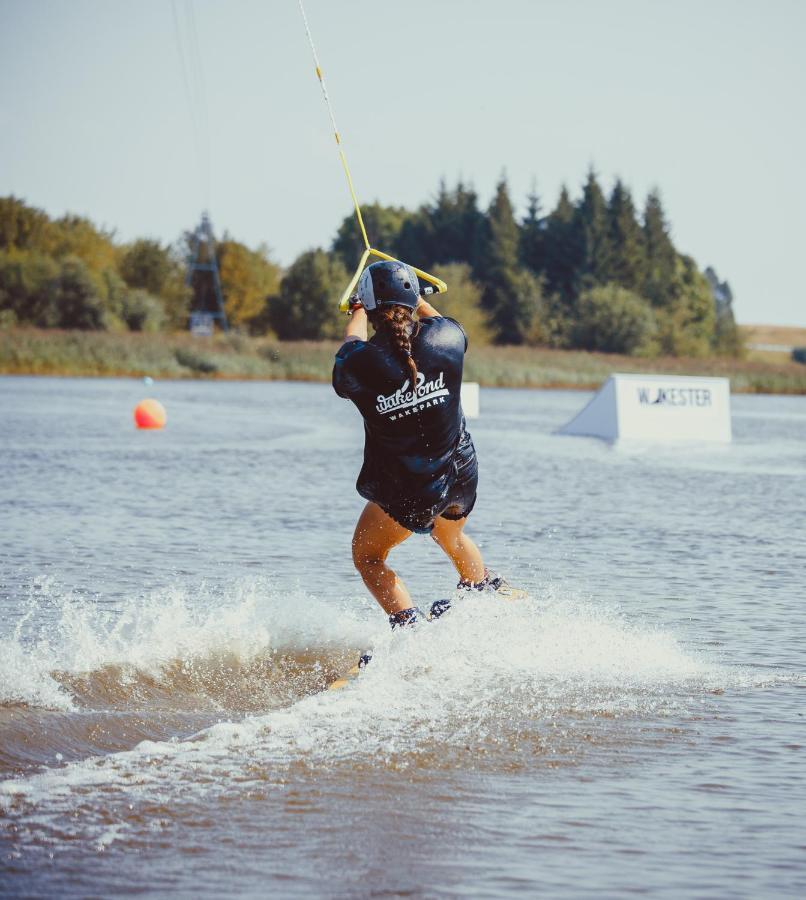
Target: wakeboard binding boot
404,618
491,582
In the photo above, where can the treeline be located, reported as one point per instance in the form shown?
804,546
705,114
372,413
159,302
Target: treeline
592,274
68,273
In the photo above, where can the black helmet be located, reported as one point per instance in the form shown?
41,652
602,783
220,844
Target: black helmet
388,282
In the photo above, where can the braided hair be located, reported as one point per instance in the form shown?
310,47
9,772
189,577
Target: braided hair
399,324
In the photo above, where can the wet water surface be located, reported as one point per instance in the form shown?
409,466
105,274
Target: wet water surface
173,603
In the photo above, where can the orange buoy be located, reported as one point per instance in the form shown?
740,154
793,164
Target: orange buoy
149,414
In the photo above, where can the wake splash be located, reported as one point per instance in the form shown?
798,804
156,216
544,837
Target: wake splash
492,682
187,649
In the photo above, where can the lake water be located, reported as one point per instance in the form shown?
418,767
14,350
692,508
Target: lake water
172,603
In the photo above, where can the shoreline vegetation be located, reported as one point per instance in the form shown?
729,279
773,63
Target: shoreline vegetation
548,299
55,352
596,273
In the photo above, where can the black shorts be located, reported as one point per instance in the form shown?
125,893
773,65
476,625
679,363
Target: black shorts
457,503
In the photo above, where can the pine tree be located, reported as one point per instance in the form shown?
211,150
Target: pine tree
593,234
532,234
384,225
661,256
727,340
561,251
511,295
628,259
456,221
446,230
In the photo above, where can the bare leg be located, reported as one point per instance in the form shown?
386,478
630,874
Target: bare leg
461,549
376,534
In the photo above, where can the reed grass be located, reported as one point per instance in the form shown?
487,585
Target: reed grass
30,351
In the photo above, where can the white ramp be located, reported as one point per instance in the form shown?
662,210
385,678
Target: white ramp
657,408
470,399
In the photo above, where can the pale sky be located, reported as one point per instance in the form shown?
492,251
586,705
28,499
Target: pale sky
704,99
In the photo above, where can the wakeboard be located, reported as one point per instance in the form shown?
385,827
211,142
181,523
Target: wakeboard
505,592
345,679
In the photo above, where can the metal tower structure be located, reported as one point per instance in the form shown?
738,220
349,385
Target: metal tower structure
207,306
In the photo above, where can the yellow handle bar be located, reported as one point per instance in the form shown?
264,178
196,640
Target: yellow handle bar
344,303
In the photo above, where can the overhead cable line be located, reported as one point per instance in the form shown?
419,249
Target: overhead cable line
190,59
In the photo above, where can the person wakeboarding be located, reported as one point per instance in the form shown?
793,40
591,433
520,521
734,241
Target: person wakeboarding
420,472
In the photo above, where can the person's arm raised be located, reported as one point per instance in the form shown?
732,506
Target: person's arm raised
356,325
425,310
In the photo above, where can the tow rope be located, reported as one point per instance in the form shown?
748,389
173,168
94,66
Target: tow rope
344,303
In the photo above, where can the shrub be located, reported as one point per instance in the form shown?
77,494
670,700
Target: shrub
799,355
462,302
50,293
248,277
306,308
612,319
29,287
687,320
22,227
195,361
147,265
142,311
80,298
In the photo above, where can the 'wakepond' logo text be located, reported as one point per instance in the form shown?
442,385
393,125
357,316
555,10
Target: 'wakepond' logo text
405,402
674,397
